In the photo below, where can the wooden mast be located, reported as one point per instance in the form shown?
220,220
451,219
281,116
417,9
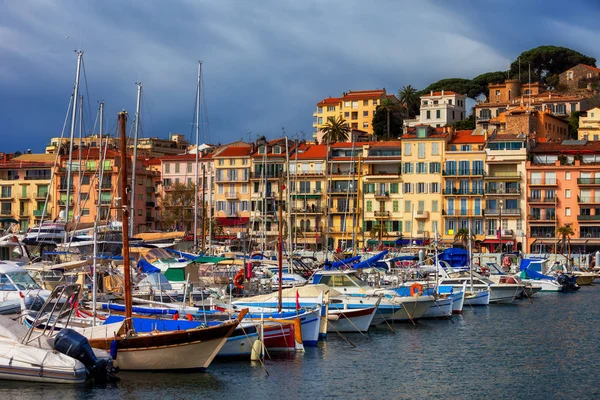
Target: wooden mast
125,219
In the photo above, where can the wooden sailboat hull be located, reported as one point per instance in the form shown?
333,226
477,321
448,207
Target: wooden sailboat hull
187,349
357,320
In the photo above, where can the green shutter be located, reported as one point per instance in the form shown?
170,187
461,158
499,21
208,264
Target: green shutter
395,205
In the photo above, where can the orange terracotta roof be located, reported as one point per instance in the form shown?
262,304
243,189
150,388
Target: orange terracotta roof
466,137
555,147
329,100
591,67
387,143
314,152
446,92
92,153
363,94
235,151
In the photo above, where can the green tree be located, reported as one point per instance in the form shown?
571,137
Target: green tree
384,127
484,80
335,130
409,98
379,230
546,61
462,235
458,85
178,207
464,124
574,124
565,232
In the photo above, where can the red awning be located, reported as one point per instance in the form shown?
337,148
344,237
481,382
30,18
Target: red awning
232,221
507,242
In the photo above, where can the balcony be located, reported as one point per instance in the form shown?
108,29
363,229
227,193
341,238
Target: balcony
71,189
23,213
41,196
308,210
382,195
6,212
542,218
463,192
463,212
108,186
588,218
506,212
343,210
382,214
545,200
421,214
343,191
6,196
545,182
150,204
268,175
503,192
484,118
463,172
588,181
231,195
503,175
587,200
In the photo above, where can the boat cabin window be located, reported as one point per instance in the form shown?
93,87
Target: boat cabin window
341,281
20,281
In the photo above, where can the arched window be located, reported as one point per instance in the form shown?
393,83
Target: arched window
302,225
308,225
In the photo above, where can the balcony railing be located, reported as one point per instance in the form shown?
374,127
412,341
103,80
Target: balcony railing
382,214
40,213
588,181
542,218
41,196
550,200
506,191
463,172
308,210
587,199
6,195
505,211
232,195
588,218
382,194
421,214
462,212
503,174
463,192
6,212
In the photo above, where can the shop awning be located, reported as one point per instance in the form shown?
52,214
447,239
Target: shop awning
507,242
232,221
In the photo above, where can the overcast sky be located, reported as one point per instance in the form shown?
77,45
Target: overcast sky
266,62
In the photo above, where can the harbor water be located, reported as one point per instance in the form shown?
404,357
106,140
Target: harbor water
545,349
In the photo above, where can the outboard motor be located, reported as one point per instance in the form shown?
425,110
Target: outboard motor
568,282
75,345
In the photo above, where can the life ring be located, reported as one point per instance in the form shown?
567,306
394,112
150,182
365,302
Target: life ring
414,287
238,279
507,261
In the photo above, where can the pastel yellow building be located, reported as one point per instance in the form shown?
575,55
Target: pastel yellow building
422,157
381,184
463,189
589,125
356,107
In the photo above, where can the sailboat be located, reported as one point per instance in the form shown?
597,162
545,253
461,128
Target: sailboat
132,350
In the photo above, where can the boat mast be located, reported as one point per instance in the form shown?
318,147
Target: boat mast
328,172
289,203
135,141
125,206
470,256
280,244
98,210
203,238
72,138
197,161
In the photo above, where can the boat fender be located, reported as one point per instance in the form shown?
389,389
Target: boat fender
176,316
190,317
114,346
416,288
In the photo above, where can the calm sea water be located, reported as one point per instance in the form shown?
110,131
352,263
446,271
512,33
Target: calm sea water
546,349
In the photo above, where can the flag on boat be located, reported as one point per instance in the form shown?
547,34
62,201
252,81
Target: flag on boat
297,300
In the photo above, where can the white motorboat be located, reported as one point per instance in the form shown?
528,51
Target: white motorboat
15,283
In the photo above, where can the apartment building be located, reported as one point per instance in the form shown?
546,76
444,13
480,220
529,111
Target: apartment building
381,199
356,107
307,194
564,189
505,183
25,190
589,125
542,124
463,184
423,150
438,109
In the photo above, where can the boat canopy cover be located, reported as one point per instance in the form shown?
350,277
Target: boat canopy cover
370,262
161,325
210,260
183,254
303,291
455,257
146,267
342,263
533,269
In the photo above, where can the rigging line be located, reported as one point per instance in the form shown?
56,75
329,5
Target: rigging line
53,173
148,111
87,92
191,138
203,103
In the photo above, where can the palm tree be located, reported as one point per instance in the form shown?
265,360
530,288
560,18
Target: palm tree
565,232
335,130
379,230
463,235
410,100
387,106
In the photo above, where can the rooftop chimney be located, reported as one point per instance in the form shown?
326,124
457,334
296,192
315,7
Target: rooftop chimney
431,93
442,94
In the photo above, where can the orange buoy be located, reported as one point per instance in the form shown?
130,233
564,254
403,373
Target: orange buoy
238,279
416,288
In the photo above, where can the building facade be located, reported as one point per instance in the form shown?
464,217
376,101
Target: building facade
589,125
438,109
